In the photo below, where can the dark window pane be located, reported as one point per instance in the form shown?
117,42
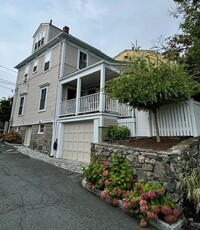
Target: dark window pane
42,99
34,68
46,66
21,104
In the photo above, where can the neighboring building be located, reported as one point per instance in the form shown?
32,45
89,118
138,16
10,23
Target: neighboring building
127,54
59,94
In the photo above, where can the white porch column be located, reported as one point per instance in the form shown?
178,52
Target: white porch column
78,94
102,93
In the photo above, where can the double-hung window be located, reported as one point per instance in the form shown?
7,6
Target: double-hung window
39,40
26,74
82,60
35,66
21,106
43,98
47,59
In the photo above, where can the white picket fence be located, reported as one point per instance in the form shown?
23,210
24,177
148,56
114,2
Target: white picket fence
182,119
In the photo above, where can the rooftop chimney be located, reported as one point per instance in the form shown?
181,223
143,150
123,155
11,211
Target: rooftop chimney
66,29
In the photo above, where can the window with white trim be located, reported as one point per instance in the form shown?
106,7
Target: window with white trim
43,96
47,59
21,105
41,129
82,60
26,74
35,66
39,40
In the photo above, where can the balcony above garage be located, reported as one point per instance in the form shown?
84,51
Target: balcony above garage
83,92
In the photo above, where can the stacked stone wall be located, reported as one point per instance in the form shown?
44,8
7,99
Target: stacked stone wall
165,167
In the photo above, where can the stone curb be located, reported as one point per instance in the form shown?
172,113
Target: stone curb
159,224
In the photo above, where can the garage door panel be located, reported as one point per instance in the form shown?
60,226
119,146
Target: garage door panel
77,140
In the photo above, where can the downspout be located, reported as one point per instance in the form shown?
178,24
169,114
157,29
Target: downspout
58,98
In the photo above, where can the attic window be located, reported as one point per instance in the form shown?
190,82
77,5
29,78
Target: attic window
39,40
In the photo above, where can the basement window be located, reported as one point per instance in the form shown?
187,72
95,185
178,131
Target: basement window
41,129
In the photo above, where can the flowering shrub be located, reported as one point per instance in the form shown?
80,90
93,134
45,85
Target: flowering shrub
12,137
115,181
151,203
115,177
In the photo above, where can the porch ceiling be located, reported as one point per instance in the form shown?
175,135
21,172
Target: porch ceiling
93,79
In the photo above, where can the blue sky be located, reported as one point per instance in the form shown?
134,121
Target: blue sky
109,25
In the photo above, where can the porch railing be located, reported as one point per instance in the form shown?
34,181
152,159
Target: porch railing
90,103
68,107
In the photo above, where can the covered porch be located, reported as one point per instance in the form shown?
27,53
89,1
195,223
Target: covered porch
83,92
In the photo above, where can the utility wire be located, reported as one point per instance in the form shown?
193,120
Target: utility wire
8,68
6,87
7,82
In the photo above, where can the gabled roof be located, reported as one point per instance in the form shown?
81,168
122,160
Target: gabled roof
69,38
45,24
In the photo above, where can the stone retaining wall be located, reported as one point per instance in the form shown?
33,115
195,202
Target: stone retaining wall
165,167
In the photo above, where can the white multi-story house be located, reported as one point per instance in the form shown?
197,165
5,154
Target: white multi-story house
60,94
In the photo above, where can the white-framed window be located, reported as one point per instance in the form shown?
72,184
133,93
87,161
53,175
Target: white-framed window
39,40
35,66
21,106
47,60
26,74
41,129
43,98
83,60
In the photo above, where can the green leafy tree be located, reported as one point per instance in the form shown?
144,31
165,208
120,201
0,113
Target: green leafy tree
147,84
185,46
5,109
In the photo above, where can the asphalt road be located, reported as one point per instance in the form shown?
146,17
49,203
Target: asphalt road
36,195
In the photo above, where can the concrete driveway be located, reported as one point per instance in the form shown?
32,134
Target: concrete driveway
37,195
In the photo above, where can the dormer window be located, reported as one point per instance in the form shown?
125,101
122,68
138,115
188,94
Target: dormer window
82,60
39,40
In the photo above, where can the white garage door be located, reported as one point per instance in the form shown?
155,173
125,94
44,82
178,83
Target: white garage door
77,141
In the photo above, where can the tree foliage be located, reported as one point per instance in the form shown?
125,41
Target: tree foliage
147,85
185,46
5,109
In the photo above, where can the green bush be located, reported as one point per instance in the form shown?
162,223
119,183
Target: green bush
12,137
118,132
192,184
